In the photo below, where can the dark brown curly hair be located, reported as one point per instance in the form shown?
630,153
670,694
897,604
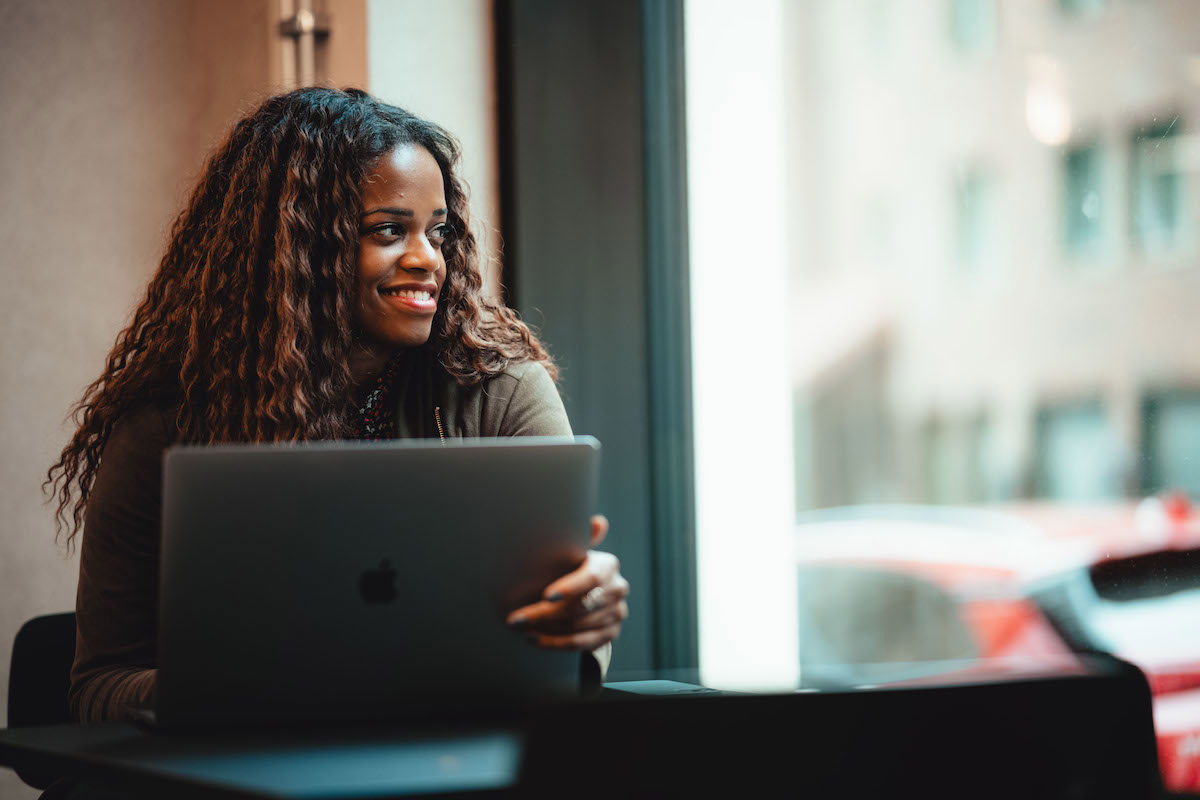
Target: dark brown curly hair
247,326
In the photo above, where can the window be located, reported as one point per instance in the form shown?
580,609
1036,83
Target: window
975,206
878,27
880,229
873,463
915,452
1078,456
989,483
948,462
1158,195
1171,442
1083,200
1082,8
846,415
973,25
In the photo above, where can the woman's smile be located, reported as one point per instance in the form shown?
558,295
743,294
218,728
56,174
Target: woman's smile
419,299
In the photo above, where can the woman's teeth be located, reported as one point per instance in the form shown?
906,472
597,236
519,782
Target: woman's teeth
409,293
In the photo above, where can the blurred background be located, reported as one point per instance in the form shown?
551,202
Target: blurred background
943,293
884,310
1000,202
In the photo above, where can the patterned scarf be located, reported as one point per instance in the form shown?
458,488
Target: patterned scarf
376,418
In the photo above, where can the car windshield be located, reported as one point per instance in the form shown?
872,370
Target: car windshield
1136,599
1134,628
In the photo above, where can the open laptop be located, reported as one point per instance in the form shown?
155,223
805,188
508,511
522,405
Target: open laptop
361,581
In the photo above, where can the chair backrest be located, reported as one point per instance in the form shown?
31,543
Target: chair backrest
41,669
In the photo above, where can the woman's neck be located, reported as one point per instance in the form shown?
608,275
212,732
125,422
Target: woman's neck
367,363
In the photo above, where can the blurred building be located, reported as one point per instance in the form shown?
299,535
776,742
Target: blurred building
995,280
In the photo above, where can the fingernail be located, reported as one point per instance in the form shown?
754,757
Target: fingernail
518,622
554,597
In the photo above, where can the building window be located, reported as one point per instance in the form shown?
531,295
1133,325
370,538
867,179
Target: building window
878,27
975,218
1171,442
989,481
948,455
1078,456
879,228
845,419
1082,8
1158,189
1083,199
973,25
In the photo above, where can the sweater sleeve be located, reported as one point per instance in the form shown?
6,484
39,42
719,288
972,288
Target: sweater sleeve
116,606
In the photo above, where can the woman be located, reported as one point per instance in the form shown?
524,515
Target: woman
322,283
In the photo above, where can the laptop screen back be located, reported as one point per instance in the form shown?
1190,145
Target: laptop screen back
355,581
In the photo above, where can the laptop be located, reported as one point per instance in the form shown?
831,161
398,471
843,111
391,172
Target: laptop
346,581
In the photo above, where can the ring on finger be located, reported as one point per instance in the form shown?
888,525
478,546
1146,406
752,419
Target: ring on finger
593,599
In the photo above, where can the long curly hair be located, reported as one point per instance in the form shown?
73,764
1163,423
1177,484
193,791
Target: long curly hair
247,327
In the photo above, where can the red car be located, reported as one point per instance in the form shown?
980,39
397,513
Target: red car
902,591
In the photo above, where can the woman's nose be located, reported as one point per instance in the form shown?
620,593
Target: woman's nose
420,254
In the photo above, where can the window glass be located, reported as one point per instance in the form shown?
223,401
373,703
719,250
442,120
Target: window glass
976,219
961,379
1172,442
1129,604
1158,186
1083,199
1078,456
986,472
1082,7
973,24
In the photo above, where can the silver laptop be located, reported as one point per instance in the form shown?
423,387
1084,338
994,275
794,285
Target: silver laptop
360,581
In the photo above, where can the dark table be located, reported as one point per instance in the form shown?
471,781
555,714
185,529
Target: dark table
973,733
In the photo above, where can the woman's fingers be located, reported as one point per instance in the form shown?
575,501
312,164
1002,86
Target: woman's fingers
584,640
612,614
572,610
596,585
582,610
596,569
563,604
599,529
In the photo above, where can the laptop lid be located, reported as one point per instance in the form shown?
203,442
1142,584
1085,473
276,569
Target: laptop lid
353,581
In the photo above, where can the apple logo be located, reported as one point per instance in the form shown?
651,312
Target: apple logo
378,585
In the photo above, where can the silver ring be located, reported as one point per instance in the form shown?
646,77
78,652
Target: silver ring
593,599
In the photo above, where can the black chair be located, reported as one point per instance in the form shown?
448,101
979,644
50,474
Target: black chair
39,678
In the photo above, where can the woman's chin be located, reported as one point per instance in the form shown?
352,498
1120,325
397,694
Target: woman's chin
414,337
394,337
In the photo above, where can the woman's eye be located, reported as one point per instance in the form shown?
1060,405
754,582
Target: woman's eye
389,229
440,233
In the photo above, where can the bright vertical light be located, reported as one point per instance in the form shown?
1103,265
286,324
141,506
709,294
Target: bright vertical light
744,464
1047,112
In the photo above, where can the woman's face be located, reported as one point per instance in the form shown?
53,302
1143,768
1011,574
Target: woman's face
401,268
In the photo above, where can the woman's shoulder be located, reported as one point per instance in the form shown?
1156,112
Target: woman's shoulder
147,422
124,501
140,433
518,375
520,400
522,382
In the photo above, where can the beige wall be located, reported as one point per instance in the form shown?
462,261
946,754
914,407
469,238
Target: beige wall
108,107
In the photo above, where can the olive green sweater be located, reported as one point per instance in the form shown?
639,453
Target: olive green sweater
117,600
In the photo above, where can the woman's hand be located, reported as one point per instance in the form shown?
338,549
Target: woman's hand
583,609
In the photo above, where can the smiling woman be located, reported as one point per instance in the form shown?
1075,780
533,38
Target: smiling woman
322,283
401,267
